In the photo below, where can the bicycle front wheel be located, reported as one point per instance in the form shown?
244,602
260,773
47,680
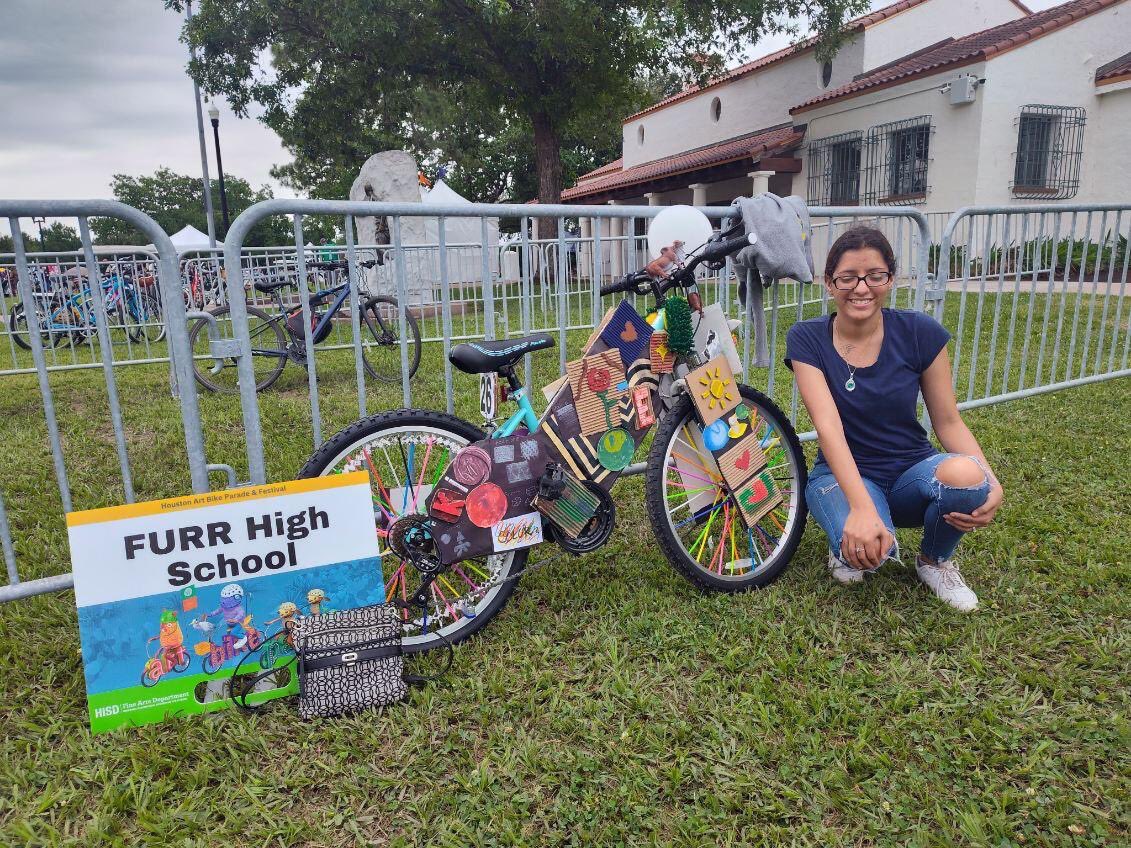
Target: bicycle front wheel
380,340
695,515
268,346
405,451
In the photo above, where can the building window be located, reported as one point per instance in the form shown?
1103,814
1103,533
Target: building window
834,170
826,74
1050,143
716,109
640,134
898,157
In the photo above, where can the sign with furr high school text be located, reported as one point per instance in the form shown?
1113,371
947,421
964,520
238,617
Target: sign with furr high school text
172,594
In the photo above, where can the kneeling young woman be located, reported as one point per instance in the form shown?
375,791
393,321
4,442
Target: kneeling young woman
859,371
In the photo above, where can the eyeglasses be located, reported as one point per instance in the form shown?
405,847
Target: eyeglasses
847,282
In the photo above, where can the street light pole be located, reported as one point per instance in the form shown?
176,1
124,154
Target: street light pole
39,222
209,217
214,116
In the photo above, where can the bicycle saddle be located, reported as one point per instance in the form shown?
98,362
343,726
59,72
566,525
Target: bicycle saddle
484,357
271,285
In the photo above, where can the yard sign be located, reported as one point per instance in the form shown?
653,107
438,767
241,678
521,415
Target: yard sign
172,594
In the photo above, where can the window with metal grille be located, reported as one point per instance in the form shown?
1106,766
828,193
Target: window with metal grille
898,157
1050,144
834,170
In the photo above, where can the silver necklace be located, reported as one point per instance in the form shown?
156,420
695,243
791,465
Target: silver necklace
850,383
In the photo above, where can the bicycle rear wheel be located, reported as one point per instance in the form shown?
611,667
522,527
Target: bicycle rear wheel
695,515
405,451
268,345
380,340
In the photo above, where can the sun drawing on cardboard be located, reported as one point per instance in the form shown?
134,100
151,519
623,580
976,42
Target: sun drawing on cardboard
716,388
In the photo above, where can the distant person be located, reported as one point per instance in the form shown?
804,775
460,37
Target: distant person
860,371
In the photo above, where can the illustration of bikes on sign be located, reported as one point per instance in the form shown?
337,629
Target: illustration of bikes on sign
171,654
458,509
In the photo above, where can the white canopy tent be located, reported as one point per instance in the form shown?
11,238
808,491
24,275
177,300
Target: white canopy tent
464,263
190,238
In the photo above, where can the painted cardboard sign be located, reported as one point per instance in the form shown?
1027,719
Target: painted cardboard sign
713,390
626,332
598,383
521,531
172,594
713,337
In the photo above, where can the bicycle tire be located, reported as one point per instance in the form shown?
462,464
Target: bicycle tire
384,336
765,561
17,325
338,454
198,340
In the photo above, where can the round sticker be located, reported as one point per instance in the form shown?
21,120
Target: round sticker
716,435
615,449
471,466
486,505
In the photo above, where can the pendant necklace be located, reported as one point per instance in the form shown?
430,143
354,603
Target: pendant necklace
850,383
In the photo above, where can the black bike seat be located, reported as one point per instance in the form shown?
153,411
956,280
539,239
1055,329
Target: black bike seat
271,285
484,357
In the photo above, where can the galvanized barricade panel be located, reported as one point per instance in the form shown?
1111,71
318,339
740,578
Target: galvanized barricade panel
1036,298
89,316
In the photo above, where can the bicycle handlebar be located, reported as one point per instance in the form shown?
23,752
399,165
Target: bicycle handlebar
342,264
641,282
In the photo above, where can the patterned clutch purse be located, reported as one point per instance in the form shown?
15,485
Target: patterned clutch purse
349,661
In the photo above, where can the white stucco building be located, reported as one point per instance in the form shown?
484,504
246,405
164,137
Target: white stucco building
933,103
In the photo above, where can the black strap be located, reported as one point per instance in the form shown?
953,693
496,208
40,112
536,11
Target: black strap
248,688
419,679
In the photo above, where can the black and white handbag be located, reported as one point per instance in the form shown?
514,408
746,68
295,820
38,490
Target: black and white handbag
351,660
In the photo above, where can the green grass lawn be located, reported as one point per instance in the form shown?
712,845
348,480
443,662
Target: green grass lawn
610,703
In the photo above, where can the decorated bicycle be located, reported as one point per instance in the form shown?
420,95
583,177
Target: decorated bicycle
458,509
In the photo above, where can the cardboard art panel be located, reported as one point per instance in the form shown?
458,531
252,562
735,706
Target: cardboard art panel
573,509
713,337
714,391
598,383
662,360
626,332
757,497
488,485
741,459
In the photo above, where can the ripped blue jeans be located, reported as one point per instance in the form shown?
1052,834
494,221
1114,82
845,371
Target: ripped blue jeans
916,499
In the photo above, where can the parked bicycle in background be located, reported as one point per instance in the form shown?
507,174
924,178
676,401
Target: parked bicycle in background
280,336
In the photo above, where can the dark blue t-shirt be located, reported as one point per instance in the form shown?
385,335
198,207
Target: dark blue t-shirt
880,424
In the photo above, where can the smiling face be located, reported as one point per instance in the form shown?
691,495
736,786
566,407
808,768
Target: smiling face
862,301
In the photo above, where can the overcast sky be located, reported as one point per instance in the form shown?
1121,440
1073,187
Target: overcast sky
91,88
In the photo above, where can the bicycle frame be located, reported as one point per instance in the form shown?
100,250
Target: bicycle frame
525,413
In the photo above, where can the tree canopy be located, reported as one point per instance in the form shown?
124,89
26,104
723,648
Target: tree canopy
175,200
514,95
57,237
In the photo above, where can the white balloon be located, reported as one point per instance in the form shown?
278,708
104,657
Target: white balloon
684,224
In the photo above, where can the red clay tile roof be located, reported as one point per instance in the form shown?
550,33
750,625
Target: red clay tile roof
970,48
1115,70
615,165
855,25
749,146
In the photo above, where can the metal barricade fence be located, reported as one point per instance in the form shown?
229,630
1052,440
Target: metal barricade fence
180,373
558,285
1035,298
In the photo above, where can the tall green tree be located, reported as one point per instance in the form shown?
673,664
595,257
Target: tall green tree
175,200
534,67
57,237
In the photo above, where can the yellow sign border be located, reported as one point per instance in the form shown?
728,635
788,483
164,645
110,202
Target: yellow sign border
224,496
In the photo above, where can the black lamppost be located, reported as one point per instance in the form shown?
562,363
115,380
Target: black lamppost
214,115
39,222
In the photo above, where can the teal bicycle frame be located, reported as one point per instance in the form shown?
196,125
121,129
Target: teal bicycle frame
525,413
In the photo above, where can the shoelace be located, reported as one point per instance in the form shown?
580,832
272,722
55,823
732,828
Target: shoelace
951,576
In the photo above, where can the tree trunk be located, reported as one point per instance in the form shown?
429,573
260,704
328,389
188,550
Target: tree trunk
548,160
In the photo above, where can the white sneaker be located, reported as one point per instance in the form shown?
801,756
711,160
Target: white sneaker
846,575
946,582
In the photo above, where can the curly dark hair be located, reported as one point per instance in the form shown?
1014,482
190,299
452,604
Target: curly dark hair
859,238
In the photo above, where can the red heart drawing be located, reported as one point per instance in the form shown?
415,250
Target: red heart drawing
743,462
629,333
